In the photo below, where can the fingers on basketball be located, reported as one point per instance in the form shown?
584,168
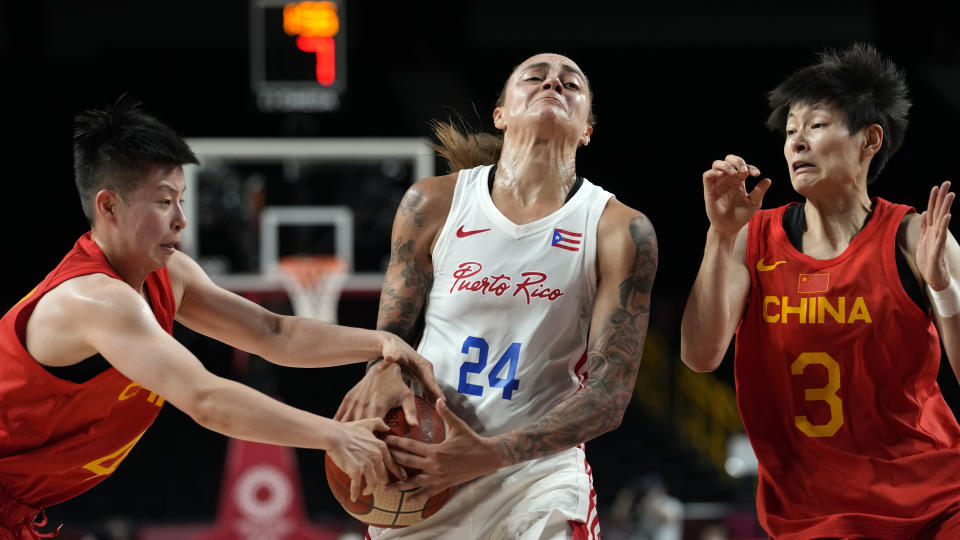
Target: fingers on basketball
383,507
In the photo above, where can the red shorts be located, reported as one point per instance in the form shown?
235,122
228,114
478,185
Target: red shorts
19,521
945,528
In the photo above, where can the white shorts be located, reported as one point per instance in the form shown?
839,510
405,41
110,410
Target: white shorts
534,500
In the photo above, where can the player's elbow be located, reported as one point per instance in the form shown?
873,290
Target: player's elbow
700,359
203,406
612,417
272,339
613,420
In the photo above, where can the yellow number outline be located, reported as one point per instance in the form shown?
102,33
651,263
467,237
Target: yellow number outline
107,464
828,394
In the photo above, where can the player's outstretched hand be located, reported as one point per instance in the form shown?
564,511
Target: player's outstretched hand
933,237
462,456
381,389
360,454
729,206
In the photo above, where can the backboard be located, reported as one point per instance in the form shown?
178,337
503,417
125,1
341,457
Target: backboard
252,201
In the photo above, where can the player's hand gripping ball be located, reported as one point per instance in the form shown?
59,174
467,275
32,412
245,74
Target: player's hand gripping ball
390,508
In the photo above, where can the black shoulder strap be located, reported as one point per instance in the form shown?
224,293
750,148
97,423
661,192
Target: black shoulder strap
793,225
910,285
82,371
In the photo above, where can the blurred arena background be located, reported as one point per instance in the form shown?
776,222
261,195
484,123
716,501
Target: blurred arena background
675,85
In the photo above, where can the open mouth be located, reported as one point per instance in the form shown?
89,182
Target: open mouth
553,99
801,166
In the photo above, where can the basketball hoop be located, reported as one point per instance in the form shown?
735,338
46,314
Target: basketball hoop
314,283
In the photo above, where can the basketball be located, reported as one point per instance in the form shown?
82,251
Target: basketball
389,509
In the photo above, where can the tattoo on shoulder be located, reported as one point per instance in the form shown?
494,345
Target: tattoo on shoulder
411,207
635,290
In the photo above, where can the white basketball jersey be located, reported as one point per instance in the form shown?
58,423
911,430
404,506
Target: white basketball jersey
506,330
508,313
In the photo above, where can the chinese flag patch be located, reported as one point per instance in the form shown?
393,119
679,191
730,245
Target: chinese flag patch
813,283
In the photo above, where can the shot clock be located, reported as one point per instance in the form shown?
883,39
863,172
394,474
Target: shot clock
298,54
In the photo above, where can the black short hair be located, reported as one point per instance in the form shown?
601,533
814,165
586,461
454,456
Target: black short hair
867,87
115,146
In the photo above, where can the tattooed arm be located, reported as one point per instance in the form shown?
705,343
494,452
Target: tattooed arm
407,283
627,262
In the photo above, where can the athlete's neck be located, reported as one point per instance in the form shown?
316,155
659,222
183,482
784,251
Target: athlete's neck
531,174
831,224
130,274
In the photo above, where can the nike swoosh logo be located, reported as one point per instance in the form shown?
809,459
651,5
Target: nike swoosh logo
463,234
765,268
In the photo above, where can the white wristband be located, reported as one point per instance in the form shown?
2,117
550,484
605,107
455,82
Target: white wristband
947,301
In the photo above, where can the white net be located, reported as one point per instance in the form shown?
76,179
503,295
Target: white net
314,284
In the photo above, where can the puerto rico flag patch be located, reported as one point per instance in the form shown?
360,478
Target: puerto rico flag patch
566,240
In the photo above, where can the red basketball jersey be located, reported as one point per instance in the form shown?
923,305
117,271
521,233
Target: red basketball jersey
59,438
836,383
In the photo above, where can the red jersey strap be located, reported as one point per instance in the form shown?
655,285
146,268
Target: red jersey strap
763,222
86,257
162,300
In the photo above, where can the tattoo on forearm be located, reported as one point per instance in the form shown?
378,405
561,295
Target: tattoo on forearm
613,358
408,278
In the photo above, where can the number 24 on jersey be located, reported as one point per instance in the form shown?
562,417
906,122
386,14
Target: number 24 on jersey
508,361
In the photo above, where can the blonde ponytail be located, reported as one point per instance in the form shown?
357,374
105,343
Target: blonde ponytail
464,149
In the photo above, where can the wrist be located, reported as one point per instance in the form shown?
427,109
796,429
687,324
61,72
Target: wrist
383,338
946,300
720,236
722,241
373,362
499,448
328,434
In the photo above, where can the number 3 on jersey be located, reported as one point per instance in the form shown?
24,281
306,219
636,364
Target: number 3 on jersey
828,394
509,360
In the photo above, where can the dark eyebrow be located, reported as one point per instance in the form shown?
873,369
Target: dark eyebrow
167,187
563,67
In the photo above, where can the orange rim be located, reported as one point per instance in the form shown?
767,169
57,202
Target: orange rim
308,269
